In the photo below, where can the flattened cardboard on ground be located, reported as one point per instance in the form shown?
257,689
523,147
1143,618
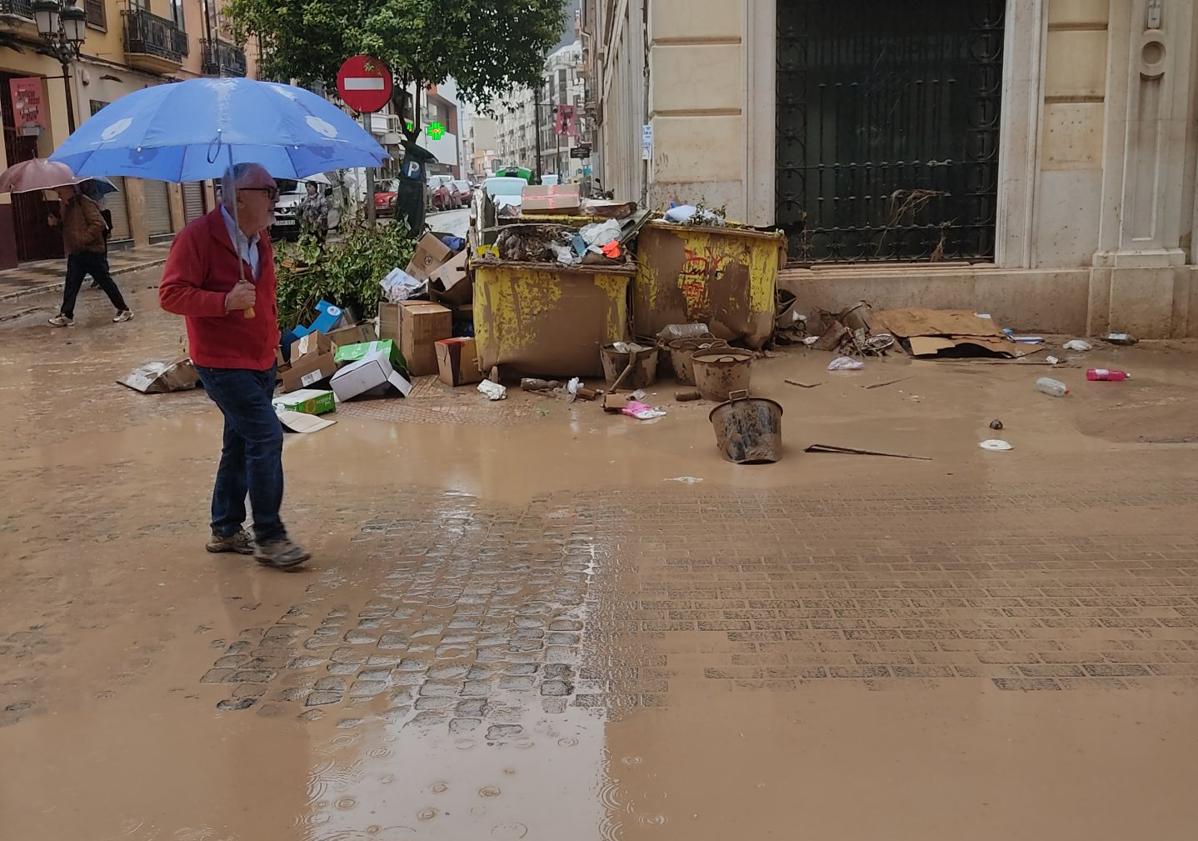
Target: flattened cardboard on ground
430,253
421,325
307,401
947,333
162,377
368,373
299,422
457,362
308,371
451,284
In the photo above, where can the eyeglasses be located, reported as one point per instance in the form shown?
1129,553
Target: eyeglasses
271,192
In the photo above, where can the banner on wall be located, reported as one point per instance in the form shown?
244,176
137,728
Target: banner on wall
29,105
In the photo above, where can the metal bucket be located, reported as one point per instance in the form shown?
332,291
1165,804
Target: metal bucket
748,430
643,373
719,373
682,352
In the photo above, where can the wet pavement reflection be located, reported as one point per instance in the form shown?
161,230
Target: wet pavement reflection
531,620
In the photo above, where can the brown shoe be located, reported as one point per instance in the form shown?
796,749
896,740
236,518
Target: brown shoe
239,542
280,554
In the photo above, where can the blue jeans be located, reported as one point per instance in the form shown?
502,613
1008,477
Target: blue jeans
252,457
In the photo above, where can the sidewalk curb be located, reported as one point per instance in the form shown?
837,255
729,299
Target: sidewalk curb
58,284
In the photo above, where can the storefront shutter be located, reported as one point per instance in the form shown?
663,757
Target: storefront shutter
158,208
115,202
193,200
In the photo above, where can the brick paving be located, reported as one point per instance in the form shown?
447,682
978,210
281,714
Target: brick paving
479,616
45,275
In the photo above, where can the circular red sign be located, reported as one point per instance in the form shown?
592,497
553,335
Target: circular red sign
364,83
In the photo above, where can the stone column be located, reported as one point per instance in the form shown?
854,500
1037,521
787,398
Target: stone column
1139,281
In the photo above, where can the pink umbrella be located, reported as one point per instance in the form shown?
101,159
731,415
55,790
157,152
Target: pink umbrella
38,174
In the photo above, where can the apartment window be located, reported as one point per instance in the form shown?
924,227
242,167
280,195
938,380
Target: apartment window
96,17
177,14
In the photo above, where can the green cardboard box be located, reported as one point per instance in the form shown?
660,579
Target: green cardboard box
307,401
352,353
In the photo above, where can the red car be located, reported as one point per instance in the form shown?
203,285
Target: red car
385,198
465,191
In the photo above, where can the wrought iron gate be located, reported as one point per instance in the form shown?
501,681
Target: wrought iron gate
887,135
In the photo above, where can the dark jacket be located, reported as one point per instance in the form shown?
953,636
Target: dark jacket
82,226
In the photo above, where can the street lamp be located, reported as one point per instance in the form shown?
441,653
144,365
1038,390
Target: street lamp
63,27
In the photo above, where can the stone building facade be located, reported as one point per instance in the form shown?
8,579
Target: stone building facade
1034,159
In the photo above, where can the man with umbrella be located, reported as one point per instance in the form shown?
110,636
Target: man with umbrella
220,276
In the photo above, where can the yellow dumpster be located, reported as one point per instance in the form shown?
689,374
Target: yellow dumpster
547,319
724,277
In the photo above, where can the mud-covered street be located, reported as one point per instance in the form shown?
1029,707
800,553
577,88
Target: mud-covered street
528,619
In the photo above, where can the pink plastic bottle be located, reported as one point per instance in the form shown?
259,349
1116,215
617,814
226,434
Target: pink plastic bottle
1106,375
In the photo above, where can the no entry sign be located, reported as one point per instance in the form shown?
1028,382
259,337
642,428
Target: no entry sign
364,83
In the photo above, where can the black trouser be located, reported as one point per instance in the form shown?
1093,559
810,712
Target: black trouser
89,263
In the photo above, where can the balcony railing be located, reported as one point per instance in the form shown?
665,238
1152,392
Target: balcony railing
148,34
222,58
17,8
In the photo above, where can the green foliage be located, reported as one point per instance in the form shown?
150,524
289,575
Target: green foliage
346,271
487,46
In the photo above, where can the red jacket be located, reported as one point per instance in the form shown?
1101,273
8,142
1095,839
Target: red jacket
200,271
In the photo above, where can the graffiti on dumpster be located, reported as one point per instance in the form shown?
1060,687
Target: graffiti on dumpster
699,269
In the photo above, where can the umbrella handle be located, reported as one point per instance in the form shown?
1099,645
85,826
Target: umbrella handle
248,313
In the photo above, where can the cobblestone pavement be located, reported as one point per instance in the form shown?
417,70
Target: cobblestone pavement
552,623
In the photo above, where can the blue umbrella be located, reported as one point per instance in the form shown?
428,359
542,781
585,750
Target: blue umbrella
193,131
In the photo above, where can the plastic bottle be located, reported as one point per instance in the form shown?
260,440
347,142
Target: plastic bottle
1048,385
1106,375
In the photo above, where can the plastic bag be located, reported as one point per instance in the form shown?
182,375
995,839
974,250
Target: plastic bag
845,363
642,411
598,234
493,391
1078,345
683,331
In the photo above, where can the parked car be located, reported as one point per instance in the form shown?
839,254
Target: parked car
291,193
498,197
385,197
465,191
440,193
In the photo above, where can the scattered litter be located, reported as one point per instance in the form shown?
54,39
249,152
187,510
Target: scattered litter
688,214
1121,338
642,411
1054,388
531,384
995,445
948,333
398,286
1078,345
308,401
683,331
879,342
996,424
373,374
845,363
810,340
984,315
161,377
493,391
1106,375
1028,340
888,382
300,422
852,451
803,385
639,394
686,480
687,396
1051,360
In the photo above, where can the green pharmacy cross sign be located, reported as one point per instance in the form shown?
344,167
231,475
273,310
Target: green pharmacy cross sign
435,131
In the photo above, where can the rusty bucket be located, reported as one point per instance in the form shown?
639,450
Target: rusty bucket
719,373
644,368
748,430
682,351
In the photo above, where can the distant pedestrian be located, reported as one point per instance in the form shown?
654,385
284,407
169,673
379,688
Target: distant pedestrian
91,189
314,211
235,357
84,236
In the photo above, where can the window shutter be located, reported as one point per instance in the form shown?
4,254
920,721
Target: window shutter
95,13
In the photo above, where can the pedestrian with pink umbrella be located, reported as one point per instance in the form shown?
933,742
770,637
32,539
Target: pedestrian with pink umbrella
83,232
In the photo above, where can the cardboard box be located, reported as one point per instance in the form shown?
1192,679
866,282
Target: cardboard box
308,372
421,325
451,282
307,401
311,344
352,353
161,377
430,253
457,362
299,422
389,318
354,335
368,373
556,199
